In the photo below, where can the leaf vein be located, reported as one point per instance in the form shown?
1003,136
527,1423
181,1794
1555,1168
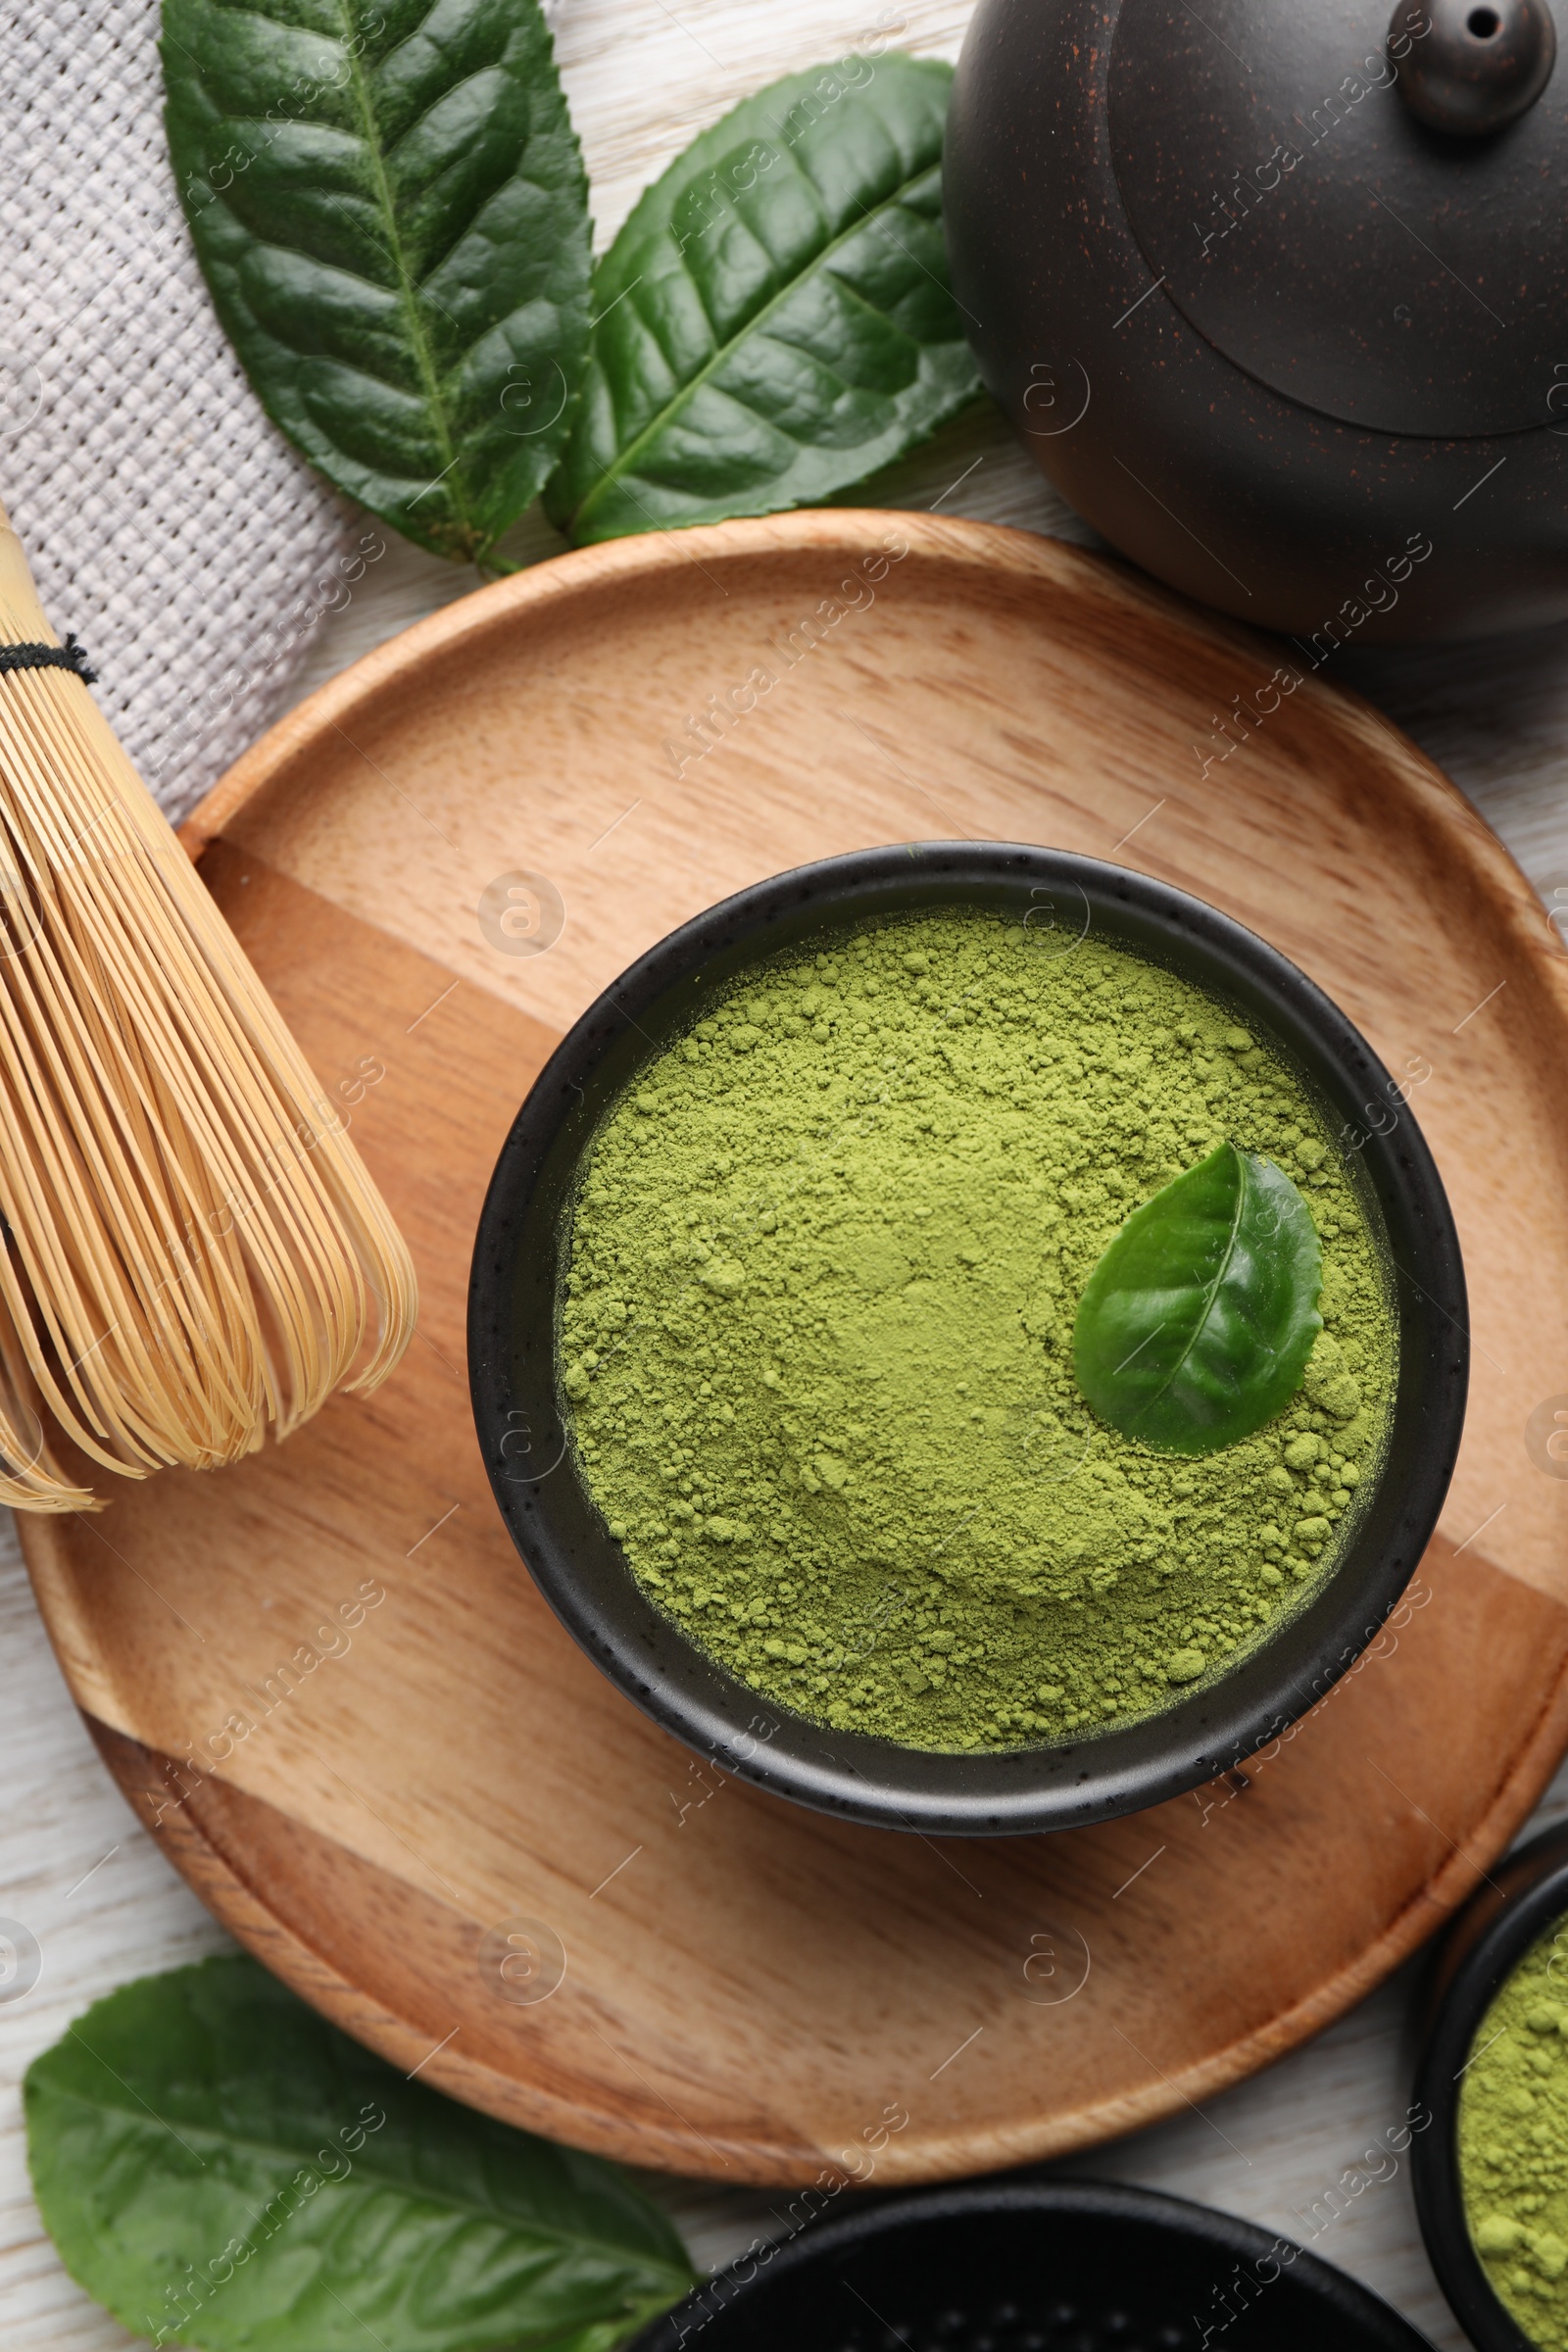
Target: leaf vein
418,339
379,2176
1200,1323
624,462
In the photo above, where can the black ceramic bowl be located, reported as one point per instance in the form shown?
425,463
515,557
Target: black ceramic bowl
581,1570
1063,2265
1520,1901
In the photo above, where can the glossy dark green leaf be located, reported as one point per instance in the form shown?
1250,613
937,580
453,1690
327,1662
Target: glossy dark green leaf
389,206
214,2161
1196,1326
774,320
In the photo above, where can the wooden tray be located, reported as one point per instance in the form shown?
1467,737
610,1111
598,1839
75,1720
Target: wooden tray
749,1990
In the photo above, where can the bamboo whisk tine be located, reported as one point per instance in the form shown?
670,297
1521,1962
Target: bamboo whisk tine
192,1251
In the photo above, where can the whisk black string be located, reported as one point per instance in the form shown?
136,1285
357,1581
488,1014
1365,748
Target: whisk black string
69,656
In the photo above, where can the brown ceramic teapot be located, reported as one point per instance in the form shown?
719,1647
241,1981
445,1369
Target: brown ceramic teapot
1277,293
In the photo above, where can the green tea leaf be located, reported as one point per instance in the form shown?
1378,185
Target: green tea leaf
1196,1326
219,2166
390,209
774,320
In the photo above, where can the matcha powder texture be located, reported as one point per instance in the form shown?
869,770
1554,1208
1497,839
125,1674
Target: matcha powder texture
816,1343
1513,2143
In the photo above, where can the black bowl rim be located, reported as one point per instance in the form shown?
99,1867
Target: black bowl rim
1526,1892
1204,1734
1346,2299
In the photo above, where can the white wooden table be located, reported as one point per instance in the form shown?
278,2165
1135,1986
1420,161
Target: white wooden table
1289,2149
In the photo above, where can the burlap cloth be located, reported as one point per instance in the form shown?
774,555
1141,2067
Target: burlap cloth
167,523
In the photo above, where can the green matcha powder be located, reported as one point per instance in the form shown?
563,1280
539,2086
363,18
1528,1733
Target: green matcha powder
1513,2143
817,1337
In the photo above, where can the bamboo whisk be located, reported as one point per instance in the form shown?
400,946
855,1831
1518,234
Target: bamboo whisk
192,1249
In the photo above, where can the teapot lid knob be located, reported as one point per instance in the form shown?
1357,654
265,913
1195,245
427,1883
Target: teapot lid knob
1470,69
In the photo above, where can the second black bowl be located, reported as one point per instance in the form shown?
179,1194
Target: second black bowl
1523,1898
1022,2266
513,1303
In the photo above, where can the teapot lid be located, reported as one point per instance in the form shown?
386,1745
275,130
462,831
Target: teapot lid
1283,172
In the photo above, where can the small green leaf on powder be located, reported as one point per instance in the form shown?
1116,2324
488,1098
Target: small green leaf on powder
389,206
774,320
219,2166
1196,1326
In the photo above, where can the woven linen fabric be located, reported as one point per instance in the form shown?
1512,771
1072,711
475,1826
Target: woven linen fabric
167,522
166,519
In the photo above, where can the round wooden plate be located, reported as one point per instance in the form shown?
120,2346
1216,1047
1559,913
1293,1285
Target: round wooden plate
324,1679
